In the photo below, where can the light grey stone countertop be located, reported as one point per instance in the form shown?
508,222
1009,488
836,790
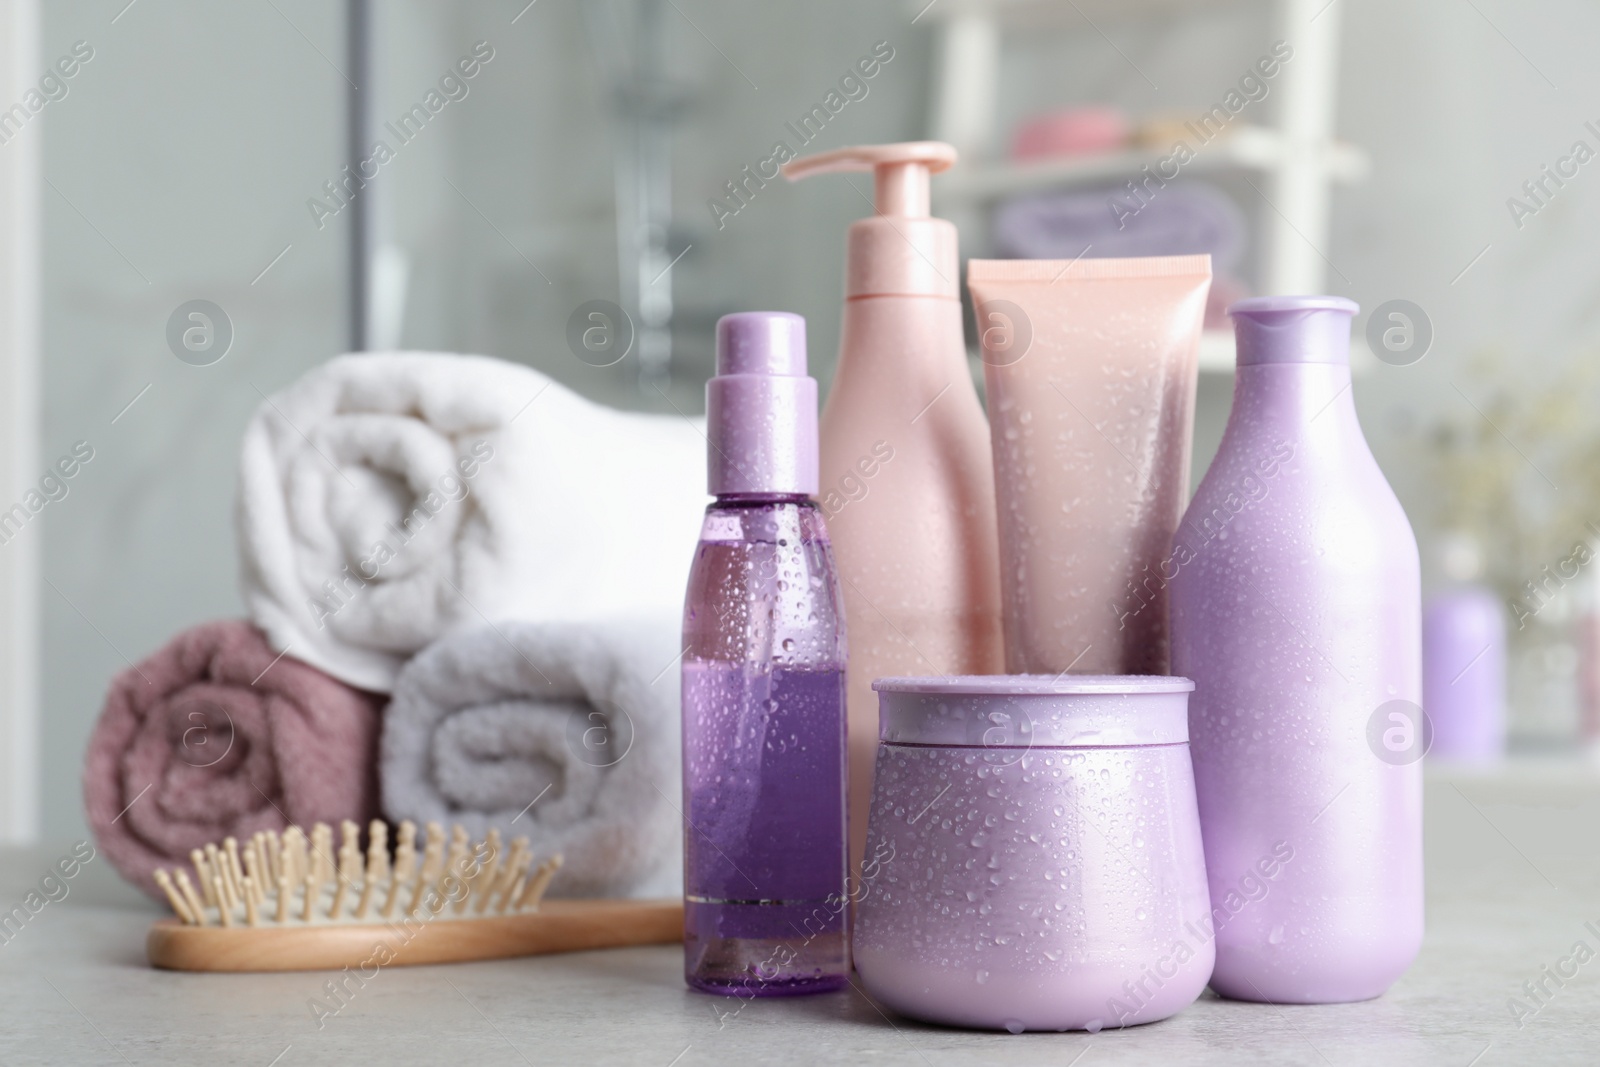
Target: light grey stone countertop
1513,878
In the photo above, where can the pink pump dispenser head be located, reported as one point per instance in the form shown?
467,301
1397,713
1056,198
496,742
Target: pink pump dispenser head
899,251
761,408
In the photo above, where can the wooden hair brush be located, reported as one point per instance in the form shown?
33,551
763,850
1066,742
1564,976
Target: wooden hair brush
285,903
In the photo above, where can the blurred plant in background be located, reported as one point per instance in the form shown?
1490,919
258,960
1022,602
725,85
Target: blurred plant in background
1517,468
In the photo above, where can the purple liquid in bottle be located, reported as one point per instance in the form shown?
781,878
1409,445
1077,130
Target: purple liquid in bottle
765,910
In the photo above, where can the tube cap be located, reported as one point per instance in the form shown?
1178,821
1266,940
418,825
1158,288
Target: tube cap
761,408
900,251
1292,329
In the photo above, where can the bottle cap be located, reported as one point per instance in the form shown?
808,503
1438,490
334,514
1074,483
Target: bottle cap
1292,329
900,251
761,408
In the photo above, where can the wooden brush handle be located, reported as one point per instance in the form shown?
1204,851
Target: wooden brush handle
558,926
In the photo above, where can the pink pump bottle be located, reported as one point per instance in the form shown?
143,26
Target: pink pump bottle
1296,610
907,484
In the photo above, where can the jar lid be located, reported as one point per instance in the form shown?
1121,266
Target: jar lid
1034,710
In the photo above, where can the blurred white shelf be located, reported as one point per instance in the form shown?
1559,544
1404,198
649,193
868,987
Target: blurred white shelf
1245,148
1298,158
1032,13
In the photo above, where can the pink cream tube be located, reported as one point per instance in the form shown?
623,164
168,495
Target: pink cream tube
1091,367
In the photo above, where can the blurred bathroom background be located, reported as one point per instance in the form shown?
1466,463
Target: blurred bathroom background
186,161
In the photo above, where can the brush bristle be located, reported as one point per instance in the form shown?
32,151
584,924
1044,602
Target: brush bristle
295,879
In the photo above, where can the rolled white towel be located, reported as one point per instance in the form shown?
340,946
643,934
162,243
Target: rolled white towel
388,499
565,733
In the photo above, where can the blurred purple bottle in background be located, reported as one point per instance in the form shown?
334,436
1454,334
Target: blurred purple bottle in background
1296,609
1464,660
765,905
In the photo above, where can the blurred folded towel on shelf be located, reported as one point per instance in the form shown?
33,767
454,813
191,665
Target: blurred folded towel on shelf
1187,217
388,499
1181,219
564,733
216,736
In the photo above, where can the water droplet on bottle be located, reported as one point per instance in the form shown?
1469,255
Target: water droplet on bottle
983,976
1015,1026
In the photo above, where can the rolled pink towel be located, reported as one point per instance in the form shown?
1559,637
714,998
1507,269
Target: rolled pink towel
215,735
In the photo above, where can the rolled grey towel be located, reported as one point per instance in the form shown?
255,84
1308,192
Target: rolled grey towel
567,734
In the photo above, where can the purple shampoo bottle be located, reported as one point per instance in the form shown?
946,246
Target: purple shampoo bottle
1296,609
765,845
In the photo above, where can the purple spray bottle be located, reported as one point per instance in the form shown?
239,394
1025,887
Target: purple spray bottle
765,904
1296,609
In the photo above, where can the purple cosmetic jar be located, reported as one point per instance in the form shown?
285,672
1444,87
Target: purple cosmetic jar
1033,854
